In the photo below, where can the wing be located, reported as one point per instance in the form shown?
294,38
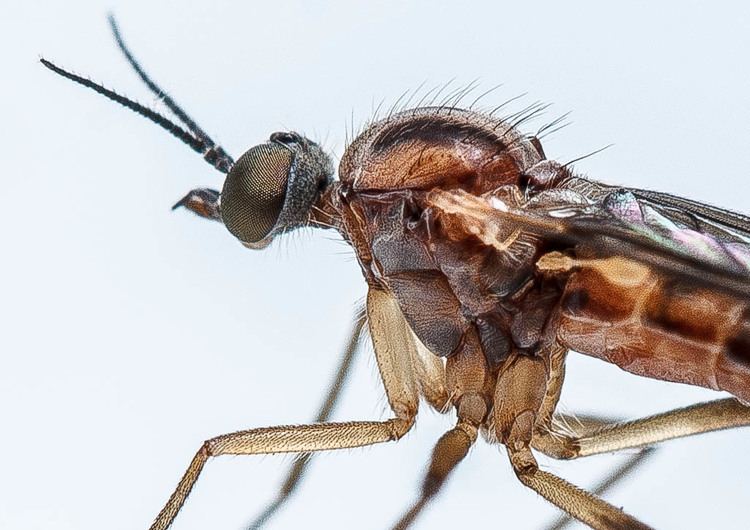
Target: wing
703,217
708,245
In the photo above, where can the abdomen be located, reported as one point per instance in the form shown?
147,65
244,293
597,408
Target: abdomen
666,328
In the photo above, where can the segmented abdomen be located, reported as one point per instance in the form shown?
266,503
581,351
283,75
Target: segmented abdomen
656,326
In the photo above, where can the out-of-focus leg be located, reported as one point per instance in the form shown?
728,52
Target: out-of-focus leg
298,469
464,380
449,451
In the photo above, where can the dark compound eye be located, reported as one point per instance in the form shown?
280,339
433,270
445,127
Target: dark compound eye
255,190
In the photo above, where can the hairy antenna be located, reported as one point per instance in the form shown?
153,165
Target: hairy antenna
194,136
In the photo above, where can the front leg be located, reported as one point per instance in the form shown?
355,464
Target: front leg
393,342
298,469
285,439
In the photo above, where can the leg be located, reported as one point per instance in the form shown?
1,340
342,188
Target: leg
582,424
395,350
609,481
547,418
586,424
465,377
519,396
579,504
389,333
289,439
704,417
300,466
696,419
449,451
555,356
429,373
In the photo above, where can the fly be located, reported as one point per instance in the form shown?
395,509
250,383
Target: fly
485,264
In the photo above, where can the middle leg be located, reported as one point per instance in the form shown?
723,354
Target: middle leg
468,382
450,449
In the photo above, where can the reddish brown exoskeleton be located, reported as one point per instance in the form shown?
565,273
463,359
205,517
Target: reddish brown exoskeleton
486,263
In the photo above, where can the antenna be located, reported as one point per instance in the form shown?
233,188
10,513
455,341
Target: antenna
194,136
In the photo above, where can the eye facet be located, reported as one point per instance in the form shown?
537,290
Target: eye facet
255,190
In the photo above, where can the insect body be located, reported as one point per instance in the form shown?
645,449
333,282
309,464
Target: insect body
485,264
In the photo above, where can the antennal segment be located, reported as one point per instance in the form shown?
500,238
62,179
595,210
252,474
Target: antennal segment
185,136
194,136
215,154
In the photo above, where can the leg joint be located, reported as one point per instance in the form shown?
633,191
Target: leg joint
207,448
523,462
556,445
399,427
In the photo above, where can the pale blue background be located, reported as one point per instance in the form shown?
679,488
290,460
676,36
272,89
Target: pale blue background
130,333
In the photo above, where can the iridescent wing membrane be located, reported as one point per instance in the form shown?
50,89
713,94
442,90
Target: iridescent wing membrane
716,236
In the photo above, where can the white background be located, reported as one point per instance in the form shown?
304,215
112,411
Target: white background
131,333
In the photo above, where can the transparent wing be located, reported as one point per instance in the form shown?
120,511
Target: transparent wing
703,217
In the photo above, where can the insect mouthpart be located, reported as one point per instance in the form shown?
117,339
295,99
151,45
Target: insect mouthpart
272,187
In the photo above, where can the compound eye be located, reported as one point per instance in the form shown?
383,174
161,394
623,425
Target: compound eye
254,191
